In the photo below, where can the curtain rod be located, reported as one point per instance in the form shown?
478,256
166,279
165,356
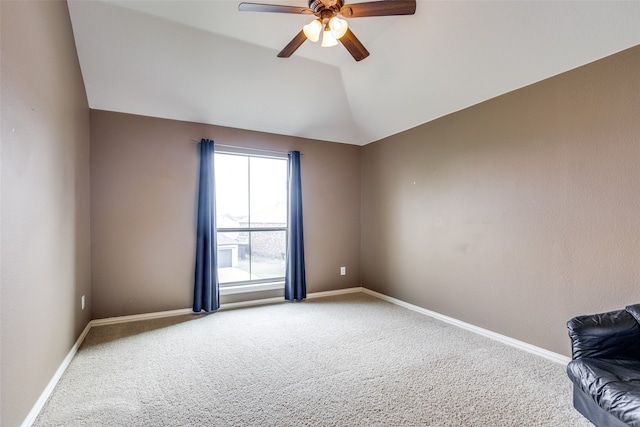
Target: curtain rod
245,148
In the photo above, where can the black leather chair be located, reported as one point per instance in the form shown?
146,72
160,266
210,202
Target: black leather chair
605,366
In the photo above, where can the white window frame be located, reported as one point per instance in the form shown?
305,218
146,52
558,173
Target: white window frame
251,285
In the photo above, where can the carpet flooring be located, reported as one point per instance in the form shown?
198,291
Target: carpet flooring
348,360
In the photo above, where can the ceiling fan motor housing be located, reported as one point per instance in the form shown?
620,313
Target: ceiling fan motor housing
318,6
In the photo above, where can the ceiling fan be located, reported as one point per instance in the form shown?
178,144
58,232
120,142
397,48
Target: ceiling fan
330,25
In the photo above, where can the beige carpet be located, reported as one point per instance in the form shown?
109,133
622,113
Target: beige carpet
350,360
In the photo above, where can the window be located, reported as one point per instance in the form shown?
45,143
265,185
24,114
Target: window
251,218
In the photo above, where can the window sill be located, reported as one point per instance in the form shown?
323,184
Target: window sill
257,287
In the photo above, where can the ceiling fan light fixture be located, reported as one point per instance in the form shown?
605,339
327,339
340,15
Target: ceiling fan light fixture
338,27
328,39
312,30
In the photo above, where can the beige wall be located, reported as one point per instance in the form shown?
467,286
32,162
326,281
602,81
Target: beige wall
45,201
515,214
144,180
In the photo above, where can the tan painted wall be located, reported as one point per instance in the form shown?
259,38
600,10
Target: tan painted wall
515,214
45,201
144,180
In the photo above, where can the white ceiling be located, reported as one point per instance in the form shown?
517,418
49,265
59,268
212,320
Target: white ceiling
204,61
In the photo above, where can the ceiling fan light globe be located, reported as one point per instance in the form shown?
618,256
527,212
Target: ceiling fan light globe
328,39
312,30
338,27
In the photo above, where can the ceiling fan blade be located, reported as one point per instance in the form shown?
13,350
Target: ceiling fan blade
379,8
353,45
293,45
275,8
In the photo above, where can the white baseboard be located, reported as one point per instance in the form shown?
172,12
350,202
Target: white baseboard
252,303
521,345
46,393
335,292
33,414
278,300
226,306
143,316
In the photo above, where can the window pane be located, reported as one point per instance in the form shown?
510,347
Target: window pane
268,185
255,255
233,257
268,252
232,190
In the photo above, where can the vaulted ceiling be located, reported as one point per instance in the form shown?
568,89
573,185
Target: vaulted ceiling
204,61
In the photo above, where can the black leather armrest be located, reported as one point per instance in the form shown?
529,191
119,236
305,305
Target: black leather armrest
612,335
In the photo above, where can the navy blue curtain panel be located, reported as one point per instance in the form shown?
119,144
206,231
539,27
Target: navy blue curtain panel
295,284
206,293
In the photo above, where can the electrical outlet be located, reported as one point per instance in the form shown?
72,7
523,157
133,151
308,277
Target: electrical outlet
82,301
343,271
